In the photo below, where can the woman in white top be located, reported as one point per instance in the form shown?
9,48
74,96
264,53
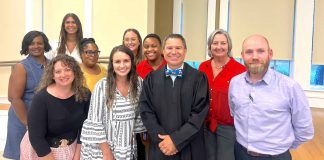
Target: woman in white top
70,36
113,118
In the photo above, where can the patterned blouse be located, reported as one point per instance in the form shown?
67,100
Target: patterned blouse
116,125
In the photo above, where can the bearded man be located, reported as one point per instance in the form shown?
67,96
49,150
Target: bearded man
270,110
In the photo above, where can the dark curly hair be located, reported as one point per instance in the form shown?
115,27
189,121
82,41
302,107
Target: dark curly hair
81,93
28,39
111,76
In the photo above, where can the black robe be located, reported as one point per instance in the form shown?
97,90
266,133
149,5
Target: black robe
177,110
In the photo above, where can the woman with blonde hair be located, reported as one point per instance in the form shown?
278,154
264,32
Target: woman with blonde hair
220,69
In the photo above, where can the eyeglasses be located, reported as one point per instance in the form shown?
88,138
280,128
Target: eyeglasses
94,53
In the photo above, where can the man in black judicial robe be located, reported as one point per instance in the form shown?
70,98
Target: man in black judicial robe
173,108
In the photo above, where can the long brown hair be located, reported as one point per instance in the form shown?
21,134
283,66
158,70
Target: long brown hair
139,57
111,77
63,33
81,93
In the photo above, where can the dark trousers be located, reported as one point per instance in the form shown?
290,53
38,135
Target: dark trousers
220,145
140,147
242,154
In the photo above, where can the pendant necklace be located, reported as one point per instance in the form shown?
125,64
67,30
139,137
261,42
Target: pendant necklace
219,67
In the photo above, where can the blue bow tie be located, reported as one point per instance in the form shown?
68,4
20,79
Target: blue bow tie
176,72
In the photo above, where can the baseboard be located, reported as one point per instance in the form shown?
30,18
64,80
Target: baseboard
4,100
315,98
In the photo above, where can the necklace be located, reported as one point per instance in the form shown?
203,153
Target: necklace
219,67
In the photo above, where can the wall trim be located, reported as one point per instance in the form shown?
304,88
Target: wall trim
315,98
4,100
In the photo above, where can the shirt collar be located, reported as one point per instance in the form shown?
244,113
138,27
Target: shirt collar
181,67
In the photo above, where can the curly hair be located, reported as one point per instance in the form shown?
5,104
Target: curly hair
81,93
63,33
111,76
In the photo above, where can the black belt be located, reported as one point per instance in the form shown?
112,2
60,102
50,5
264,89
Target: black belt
57,142
256,154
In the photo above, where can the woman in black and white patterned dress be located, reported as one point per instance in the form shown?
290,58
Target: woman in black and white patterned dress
113,119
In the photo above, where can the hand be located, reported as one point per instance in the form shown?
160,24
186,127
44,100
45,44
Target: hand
77,152
47,157
106,152
167,146
108,156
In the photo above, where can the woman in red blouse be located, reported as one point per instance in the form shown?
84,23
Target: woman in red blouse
220,68
153,53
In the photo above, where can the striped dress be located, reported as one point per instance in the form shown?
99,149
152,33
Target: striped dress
116,125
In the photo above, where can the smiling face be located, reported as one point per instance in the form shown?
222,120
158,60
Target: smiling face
219,46
36,47
152,49
90,55
121,64
132,42
256,55
63,75
70,26
174,52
